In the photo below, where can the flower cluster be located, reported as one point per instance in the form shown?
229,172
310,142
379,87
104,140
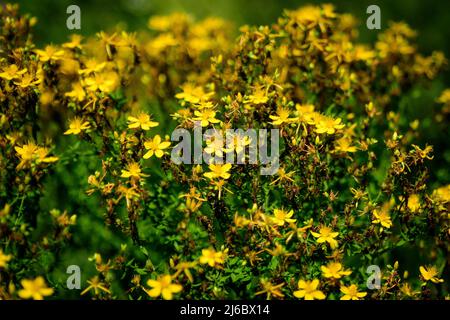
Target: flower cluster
355,187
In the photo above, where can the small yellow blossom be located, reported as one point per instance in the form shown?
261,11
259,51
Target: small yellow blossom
430,273
281,216
259,96
441,194
133,170
308,290
77,92
212,257
382,217
75,42
11,72
91,66
193,94
444,97
30,152
206,116
414,203
270,290
237,141
142,121
215,145
96,285
334,270
42,155
283,176
27,80
351,293
425,153
326,234
4,258
164,287
156,147
50,53
106,82
26,153
407,290
36,289
281,117
218,171
328,125
184,267
77,125
344,145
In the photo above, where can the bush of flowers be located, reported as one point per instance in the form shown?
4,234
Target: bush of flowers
87,178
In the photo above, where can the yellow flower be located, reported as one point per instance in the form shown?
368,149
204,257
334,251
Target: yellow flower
237,142
282,216
91,66
334,270
164,287
425,153
143,121
96,285
283,176
327,125
26,153
441,194
218,171
156,147
184,266
363,53
206,116
105,82
279,250
159,43
50,53
326,234
308,290
31,152
281,117
444,97
351,293
270,289
11,72
36,289
26,81
164,23
414,203
430,273
4,258
75,42
304,112
128,193
42,155
212,257
382,218
133,169
407,290
76,125
215,145
259,96
182,115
